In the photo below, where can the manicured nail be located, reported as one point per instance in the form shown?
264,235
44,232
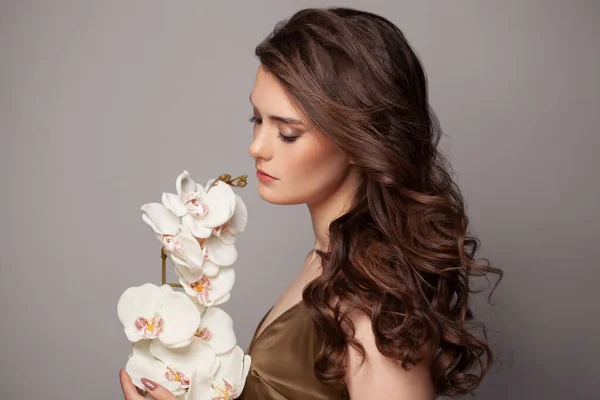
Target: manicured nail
149,384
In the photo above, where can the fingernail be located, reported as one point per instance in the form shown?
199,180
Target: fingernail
149,384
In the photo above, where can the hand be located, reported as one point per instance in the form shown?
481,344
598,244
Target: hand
131,392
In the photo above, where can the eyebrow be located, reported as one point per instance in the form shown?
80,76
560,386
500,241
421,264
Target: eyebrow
285,120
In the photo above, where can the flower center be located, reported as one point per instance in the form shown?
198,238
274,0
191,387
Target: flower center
195,207
173,375
170,244
150,328
224,391
201,287
204,334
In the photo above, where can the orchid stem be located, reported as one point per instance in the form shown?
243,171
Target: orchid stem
163,257
238,181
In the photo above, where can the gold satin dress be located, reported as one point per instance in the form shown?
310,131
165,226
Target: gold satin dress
283,356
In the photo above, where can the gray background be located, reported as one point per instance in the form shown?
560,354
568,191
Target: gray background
104,103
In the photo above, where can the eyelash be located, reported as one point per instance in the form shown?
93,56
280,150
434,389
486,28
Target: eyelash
282,137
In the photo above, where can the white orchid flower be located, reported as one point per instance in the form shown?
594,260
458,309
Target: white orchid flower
216,329
229,381
178,242
231,375
171,368
236,224
208,291
150,312
200,209
142,364
185,361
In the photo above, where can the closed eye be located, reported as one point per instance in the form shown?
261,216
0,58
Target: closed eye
256,120
286,139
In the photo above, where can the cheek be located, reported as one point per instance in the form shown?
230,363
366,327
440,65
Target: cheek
308,173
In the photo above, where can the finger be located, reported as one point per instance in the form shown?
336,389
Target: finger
130,391
156,391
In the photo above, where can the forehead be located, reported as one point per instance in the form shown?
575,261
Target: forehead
269,96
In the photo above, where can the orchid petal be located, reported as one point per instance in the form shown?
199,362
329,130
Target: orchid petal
189,275
222,300
220,200
245,370
220,253
184,184
233,369
231,365
226,237
210,268
201,387
181,319
201,309
197,356
160,219
142,364
221,285
238,222
196,227
216,329
191,254
174,204
166,289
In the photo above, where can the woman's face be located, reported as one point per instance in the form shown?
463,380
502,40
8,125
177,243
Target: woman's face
302,164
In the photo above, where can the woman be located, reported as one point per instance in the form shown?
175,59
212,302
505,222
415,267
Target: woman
379,308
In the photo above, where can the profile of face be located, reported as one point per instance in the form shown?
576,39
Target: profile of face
295,163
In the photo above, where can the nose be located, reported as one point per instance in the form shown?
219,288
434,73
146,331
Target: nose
260,147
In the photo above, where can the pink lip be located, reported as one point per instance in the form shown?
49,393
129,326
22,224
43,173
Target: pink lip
264,177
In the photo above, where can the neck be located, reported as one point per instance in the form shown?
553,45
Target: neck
331,207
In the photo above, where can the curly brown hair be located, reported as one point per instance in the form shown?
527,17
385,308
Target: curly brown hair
401,253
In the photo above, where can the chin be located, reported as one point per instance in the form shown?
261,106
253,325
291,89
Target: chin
274,196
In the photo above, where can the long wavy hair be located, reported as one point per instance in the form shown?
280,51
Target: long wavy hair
401,253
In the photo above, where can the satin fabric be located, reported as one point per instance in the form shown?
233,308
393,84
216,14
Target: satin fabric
283,356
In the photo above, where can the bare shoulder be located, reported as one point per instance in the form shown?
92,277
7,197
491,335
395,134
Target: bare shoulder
380,376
